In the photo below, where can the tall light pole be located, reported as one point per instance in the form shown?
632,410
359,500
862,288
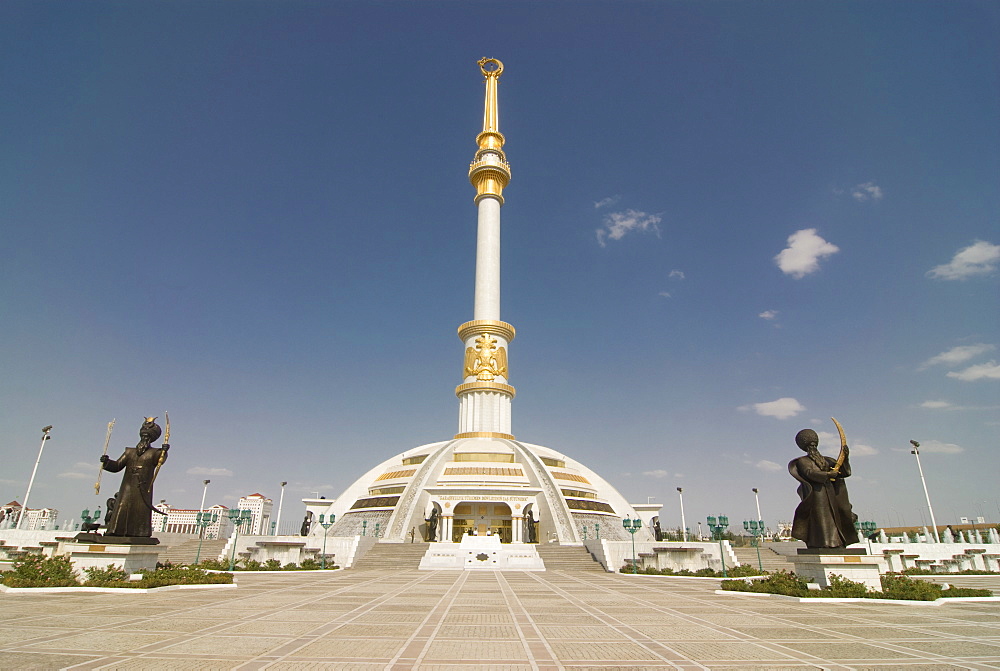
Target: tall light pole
916,452
204,493
24,506
281,500
684,533
756,497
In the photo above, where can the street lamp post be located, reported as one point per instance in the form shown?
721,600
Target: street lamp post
364,527
632,526
238,518
203,520
717,530
680,495
916,452
204,493
281,501
756,497
755,527
597,531
24,506
326,527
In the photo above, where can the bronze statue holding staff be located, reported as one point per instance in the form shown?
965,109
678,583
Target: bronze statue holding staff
133,511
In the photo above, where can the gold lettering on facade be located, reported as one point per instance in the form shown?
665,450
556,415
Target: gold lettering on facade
486,360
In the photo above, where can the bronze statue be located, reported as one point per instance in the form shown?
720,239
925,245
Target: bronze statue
432,525
824,518
529,523
307,523
132,515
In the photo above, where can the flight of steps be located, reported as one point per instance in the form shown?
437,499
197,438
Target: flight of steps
567,558
771,560
186,551
393,555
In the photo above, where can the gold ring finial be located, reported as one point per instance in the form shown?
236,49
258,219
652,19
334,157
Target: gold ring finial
494,71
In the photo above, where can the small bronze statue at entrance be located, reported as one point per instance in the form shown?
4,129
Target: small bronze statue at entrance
432,526
824,518
132,514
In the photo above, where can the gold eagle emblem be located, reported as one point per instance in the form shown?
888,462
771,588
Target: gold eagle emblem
485,360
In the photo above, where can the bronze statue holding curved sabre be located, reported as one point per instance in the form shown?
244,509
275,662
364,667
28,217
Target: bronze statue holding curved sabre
823,518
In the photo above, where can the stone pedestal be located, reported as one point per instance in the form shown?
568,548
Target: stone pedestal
482,553
817,565
131,558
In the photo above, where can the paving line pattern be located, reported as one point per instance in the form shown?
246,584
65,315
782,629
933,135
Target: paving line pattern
511,621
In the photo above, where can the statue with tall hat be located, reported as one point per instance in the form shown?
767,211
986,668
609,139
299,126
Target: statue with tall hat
133,511
823,518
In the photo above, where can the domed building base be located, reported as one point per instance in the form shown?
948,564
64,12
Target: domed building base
511,492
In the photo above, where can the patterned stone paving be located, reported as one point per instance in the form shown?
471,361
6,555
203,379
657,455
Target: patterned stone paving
450,621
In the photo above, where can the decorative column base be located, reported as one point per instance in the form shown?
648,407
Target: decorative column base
818,564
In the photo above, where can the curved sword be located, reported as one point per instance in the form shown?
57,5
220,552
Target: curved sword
843,450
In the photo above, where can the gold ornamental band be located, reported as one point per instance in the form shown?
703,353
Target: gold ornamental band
484,434
485,385
481,326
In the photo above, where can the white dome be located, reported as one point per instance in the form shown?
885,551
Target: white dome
482,485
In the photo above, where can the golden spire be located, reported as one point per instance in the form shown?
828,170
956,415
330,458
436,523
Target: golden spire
489,172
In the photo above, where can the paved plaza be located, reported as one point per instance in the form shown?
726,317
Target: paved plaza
408,619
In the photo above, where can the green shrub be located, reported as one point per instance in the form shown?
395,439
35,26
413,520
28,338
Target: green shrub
290,566
842,588
310,564
744,570
213,565
181,575
109,576
39,571
788,584
251,565
272,565
894,586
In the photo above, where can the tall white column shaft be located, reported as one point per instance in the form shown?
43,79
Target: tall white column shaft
487,302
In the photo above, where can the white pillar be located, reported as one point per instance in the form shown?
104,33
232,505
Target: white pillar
446,528
487,305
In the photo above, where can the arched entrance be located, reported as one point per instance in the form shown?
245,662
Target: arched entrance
482,518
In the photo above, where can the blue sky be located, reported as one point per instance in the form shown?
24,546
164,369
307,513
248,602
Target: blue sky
727,222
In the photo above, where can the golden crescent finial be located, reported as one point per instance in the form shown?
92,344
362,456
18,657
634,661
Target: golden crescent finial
495,71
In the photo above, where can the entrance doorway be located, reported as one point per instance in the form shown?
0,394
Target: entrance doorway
482,519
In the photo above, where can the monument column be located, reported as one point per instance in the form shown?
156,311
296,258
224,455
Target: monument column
484,395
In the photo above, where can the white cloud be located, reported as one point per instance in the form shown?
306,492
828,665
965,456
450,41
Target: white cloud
665,294
783,408
940,448
81,470
979,258
982,371
768,314
766,465
676,275
805,249
658,473
937,405
862,450
604,202
618,224
957,355
866,191
218,472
